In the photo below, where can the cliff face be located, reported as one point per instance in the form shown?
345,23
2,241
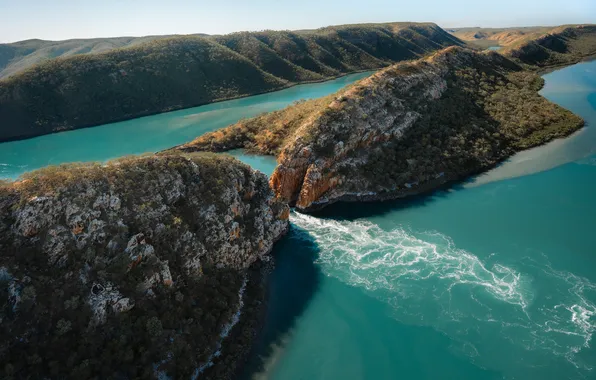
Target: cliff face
406,129
140,263
340,138
185,71
415,126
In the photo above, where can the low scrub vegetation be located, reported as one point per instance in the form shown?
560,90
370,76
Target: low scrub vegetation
178,72
490,109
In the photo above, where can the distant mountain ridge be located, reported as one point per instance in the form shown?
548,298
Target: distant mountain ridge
171,73
536,47
484,37
18,56
563,45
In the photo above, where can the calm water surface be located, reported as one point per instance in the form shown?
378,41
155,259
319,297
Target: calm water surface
151,133
493,279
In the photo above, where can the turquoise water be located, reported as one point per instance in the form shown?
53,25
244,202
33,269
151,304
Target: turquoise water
151,133
495,48
493,279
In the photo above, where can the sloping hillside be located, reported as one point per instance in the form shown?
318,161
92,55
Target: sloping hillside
485,37
536,47
560,46
179,72
145,264
18,56
406,129
94,89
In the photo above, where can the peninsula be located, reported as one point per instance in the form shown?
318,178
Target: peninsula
407,129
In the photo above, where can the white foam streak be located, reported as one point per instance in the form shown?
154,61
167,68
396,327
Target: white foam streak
363,249
425,277
225,332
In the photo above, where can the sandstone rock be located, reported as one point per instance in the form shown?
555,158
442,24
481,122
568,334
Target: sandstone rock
129,239
341,152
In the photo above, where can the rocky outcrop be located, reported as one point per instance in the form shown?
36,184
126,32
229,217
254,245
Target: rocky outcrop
404,130
138,263
415,126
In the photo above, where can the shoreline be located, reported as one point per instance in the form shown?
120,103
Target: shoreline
549,69
442,183
240,343
540,71
174,109
253,323
237,348
427,188
232,361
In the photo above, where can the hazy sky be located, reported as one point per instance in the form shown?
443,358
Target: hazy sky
63,19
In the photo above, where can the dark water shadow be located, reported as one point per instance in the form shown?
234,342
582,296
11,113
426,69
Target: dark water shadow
356,210
291,287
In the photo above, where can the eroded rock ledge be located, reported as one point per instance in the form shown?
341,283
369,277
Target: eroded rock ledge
132,269
406,129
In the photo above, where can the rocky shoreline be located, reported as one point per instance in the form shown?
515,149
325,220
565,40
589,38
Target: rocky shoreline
404,130
61,219
235,354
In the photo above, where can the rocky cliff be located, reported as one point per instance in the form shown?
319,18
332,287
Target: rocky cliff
404,130
133,269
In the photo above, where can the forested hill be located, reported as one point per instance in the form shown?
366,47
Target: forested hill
404,130
536,47
18,56
179,72
560,46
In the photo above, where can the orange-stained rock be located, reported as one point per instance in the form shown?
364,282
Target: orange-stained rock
286,182
285,215
365,142
235,232
314,186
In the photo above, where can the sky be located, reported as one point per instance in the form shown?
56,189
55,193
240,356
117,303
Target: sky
64,19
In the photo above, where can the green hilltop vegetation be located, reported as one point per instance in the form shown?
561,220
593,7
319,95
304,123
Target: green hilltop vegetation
179,72
409,127
133,269
18,56
560,46
264,134
508,95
